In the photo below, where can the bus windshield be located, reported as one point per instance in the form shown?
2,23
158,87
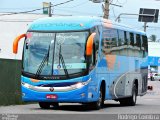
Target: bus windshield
50,54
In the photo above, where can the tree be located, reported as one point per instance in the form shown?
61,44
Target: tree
153,38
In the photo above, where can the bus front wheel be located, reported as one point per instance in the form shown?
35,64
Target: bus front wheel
98,104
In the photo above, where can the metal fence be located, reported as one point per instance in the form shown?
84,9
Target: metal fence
10,90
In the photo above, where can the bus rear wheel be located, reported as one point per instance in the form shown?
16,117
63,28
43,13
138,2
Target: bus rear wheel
133,98
130,101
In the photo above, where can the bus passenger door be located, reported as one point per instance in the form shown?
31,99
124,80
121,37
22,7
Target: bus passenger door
92,59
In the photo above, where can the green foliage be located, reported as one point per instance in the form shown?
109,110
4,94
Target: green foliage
153,38
10,84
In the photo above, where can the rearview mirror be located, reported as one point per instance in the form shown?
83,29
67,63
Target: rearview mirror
89,45
15,43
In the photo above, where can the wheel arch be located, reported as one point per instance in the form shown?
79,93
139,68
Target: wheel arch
136,84
103,85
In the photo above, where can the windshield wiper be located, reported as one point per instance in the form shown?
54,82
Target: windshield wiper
63,63
42,64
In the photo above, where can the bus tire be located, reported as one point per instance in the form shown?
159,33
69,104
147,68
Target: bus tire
44,105
99,104
130,101
133,99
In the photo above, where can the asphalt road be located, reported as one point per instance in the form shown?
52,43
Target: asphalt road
148,104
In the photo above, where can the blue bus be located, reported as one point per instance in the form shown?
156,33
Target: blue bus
81,59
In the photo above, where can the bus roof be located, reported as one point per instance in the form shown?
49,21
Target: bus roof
76,23
64,23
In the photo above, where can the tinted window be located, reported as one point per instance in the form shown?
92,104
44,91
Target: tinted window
131,39
126,38
109,42
138,40
145,45
121,39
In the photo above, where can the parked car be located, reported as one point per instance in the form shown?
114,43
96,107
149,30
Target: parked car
151,76
156,77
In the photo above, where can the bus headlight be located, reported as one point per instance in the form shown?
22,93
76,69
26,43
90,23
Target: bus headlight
80,84
77,85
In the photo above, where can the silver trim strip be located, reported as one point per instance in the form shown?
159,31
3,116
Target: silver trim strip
56,89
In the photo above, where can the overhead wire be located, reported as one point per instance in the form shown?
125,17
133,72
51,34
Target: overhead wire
16,20
80,4
18,8
13,13
73,11
88,13
110,1
122,3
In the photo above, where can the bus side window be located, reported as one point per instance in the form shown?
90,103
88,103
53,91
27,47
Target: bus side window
109,41
131,39
131,45
121,38
134,39
145,45
138,41
141,47
122,43
126,39
97,39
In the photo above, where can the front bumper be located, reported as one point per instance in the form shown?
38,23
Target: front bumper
77,95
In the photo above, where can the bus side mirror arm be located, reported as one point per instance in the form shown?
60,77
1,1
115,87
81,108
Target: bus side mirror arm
89,45
89,49
15,43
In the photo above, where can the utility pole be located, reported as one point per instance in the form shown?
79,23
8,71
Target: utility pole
145,26
50,10
106,9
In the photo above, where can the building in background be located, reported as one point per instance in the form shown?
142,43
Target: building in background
154,57
10,27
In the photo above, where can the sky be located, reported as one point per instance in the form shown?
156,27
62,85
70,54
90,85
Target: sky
86,7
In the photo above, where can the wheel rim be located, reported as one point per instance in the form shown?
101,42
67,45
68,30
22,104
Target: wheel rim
134,96
100,99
